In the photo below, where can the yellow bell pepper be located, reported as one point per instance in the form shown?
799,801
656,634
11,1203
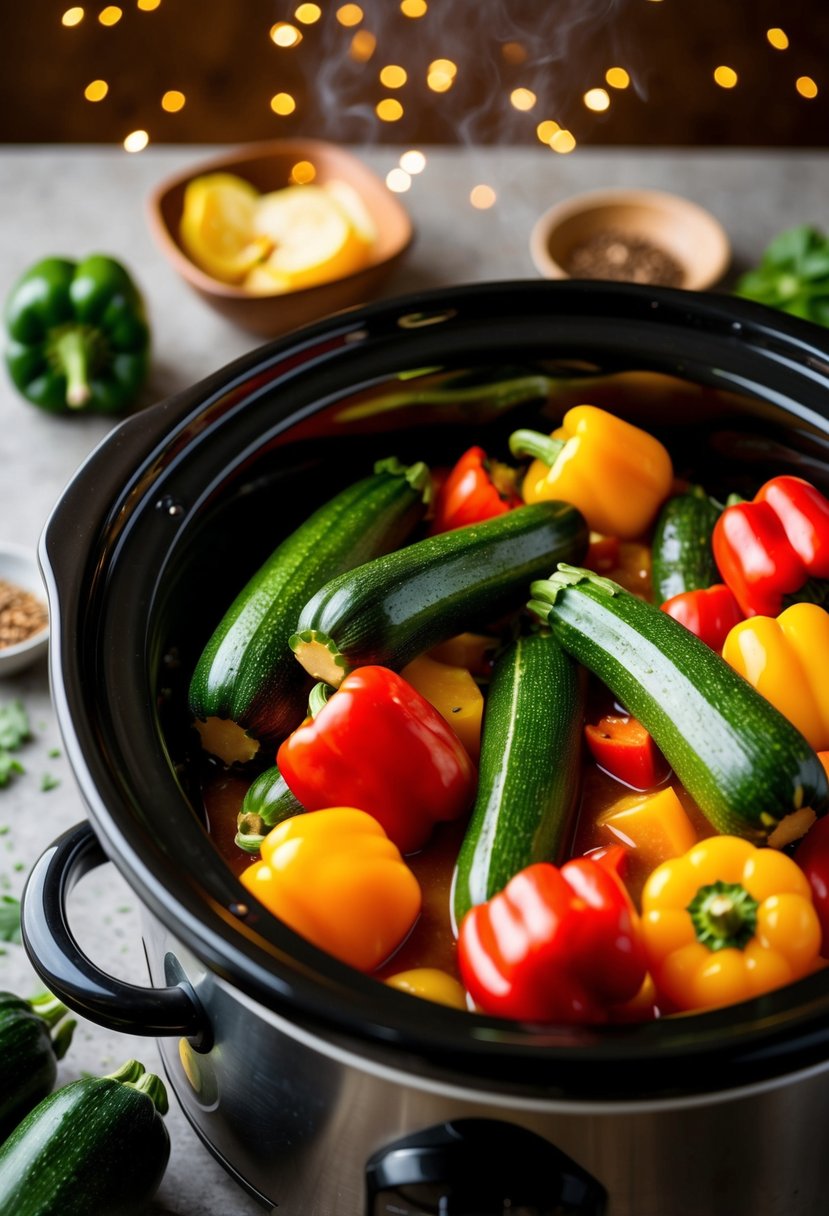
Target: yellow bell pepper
656,825
727,921
454,694
431,984
615,473
786,659
336,878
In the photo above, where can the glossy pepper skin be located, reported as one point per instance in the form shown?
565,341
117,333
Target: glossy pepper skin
622,747
726,922
812,855
787,659
615,473
377,744
556,945
770,550
336,879
474,490
77,336
709,612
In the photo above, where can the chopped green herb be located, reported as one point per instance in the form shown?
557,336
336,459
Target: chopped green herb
14,726
53,753
8,767
48,782
4,829
9,919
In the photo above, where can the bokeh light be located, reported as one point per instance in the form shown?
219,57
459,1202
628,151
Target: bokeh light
725,77
349,14
806,87
413,8
523,99
398,180
441,75
617,78
173,101
110,15
393,77
413,162
303,172
282,104
597,100
362,46
308,14
285,35
546,130
148,6
72,17
563,141
136,141
482,196
96,90
514,53
778,39
389,109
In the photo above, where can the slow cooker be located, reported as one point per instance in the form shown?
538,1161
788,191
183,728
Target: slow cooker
320,1089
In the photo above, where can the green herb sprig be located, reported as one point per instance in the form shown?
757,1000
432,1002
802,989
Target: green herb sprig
793,275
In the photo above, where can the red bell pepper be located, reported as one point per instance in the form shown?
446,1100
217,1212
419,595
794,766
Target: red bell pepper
475,489
622,747
709,612
379,746
768,550
556,945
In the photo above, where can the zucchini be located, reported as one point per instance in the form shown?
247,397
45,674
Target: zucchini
96,1147
393,608
530,773
749,770
246,688
267,802
681,557
29,1053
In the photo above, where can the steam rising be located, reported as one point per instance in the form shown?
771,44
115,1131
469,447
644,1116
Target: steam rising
556,48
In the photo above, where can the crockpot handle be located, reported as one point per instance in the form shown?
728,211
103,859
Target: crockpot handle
70,975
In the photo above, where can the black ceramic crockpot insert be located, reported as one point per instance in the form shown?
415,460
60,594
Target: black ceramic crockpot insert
178,507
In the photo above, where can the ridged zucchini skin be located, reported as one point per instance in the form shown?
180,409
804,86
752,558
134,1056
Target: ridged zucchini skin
96,1147
529,779
246,673
391,609
743,763
681,555
28,1064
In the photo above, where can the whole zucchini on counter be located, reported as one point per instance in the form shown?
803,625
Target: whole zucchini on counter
749,770
247,688
29,1053
96,1147
395,607
529,780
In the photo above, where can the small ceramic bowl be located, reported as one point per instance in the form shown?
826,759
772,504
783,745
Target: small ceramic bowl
18,566
694,241
268,166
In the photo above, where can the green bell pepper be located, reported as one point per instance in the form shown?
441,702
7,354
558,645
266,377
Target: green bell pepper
78,336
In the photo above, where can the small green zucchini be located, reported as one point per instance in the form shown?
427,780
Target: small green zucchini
529,779
751,773
29,1052
267,802
96,1147
397,606
681,555
246,688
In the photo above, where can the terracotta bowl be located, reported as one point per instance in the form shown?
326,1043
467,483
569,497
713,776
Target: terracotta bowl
267,166
693,238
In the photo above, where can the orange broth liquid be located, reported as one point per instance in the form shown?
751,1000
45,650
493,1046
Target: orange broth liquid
431,942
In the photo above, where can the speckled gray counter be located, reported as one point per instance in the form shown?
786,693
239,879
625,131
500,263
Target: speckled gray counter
73,202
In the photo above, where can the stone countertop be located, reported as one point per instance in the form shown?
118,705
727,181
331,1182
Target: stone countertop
73,201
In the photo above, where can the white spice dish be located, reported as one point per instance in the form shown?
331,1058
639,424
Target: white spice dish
18,568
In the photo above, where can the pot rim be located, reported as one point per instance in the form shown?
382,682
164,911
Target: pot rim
129,482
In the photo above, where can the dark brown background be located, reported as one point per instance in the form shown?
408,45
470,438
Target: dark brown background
219,54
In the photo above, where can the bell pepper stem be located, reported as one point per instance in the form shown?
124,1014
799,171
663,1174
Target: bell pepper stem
72,353
154,1088
535,444
724,915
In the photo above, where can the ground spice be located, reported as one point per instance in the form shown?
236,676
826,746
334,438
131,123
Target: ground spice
610,254
22,614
